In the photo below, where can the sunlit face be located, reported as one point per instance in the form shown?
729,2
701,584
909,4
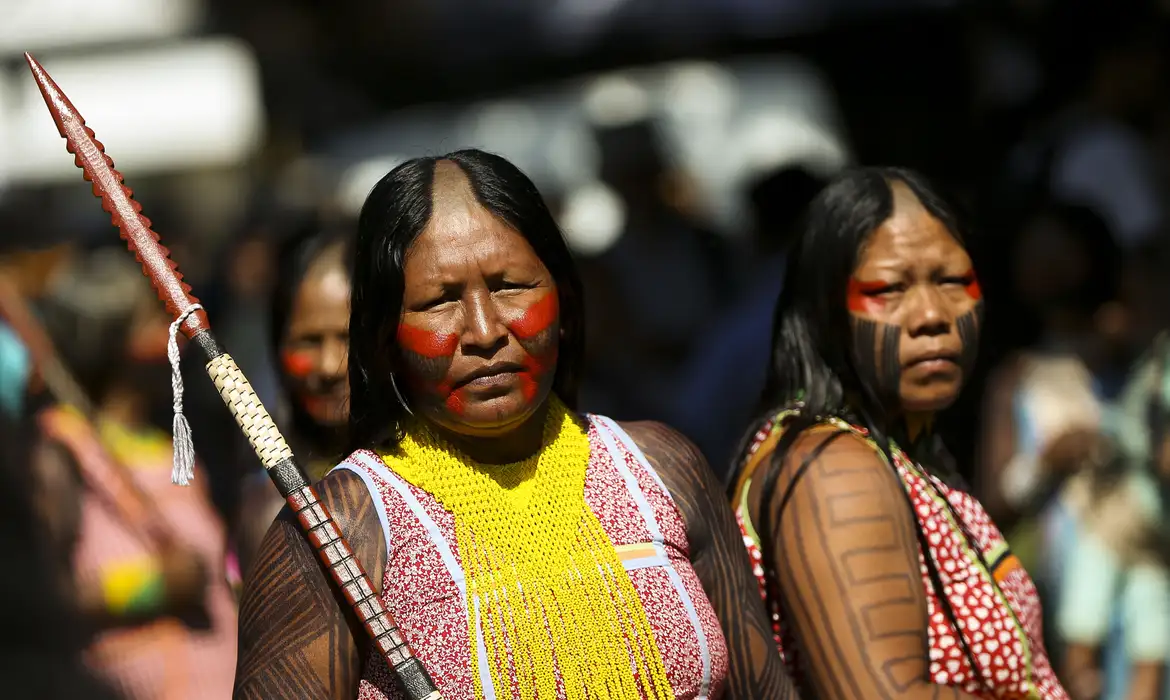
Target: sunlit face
480,327
916,309
314,354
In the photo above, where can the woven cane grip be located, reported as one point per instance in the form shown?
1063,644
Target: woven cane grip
249,413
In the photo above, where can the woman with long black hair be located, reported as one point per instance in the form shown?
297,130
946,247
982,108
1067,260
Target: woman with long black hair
309,338
885,577
525,550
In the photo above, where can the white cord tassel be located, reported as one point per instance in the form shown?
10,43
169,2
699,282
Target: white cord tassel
184,469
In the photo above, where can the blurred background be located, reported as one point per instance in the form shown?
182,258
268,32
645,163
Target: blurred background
678,143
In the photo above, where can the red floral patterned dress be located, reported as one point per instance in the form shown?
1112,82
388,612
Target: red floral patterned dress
425,590
993,598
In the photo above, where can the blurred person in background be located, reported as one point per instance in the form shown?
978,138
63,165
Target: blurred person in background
1106,71
722,378
237,298
1113,611
885,575
309,337
165,608
32,251
669,275
1044,406
44,632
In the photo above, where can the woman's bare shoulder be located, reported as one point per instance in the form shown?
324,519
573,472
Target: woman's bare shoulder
822,460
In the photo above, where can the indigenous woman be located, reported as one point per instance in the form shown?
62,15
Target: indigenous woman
309,327
526,551
885,576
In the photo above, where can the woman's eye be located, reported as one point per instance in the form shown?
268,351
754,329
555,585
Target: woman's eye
875,288
432,303
508,285
959,281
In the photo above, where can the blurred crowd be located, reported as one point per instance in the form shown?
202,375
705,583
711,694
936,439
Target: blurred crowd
1050,121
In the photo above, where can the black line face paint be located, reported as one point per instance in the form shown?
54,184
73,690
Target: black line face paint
876,351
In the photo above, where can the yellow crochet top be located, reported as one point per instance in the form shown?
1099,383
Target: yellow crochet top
554,601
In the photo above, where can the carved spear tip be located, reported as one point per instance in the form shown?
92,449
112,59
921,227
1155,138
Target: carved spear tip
59,105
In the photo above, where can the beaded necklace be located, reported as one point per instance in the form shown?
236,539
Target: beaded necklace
553,599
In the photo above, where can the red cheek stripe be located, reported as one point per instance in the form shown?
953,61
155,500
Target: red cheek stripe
538,318
455,403
528,386
297,364
315,404
857,295
426,343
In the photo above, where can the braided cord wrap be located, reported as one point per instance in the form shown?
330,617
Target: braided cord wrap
317,522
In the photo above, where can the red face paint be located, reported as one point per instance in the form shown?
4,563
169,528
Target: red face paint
454,402
972,286
434,352
860,296
433,348
297,364
316,405
539,318
426,343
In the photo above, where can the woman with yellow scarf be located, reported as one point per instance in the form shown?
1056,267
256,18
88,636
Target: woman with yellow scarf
526,551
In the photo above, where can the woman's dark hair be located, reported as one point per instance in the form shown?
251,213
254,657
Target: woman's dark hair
811,361
309,237
394,214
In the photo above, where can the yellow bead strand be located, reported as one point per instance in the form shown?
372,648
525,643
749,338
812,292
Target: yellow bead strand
557,607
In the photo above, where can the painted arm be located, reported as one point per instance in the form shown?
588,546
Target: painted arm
260,503
847,562
298,638
721,562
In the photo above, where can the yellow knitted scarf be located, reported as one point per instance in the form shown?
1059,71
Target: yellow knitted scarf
554,599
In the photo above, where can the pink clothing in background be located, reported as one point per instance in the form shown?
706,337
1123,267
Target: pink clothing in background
163,659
